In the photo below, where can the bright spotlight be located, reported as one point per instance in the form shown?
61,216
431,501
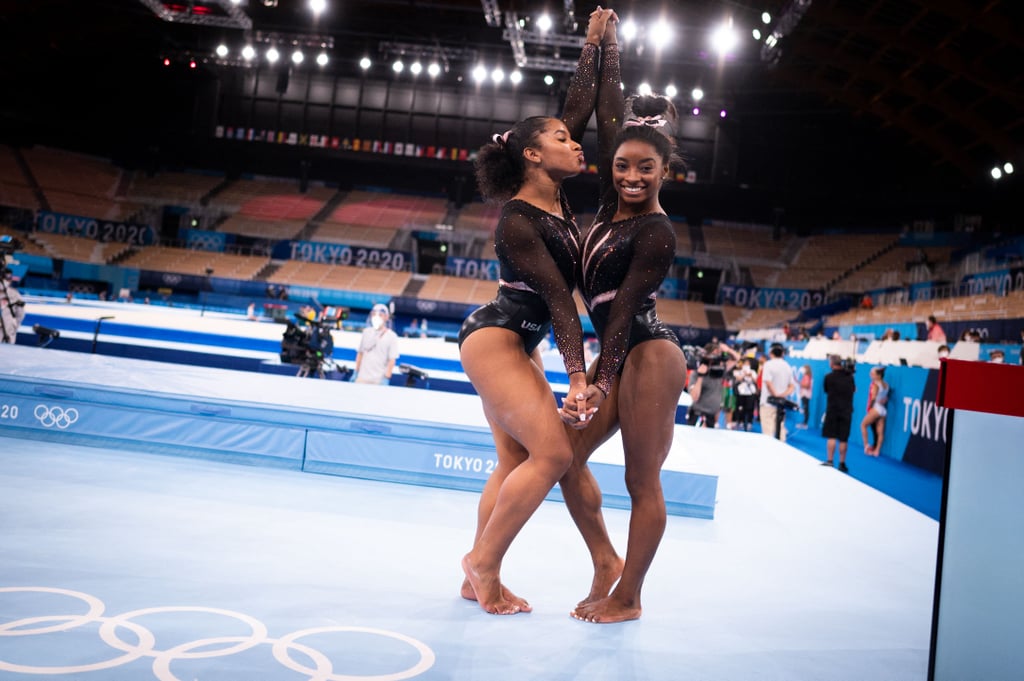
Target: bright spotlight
671,91
696,111
297,57
766,18
365,63
644,89
397,66
222,50
192,65
497,75
549,79
167,62
544,23
317,6
434,69
248,52
997,173
516,77
756,33
724,39
321,59
722,113
416,68
480,73
273,55
697,94
661,34
1008,168
628,29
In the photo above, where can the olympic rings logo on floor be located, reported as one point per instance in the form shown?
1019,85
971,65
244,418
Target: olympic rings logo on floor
59,417
145,645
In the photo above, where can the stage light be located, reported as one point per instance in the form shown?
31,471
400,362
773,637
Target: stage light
696,111
644,89
434,69
661,34
297,57
722,113
222,50
480,73
365,63
167,62
628,29
549,79
321,59
497,75
697,94
273,55
416,68
191,63
756,33
397,66
248,52
544,23
997,173
1008,168
516,77
724,39
766,18
317,6
671,91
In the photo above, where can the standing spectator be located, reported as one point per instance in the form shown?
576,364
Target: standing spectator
776,381
935,332
378,348
12,308
706,389
878,397
839,389
806,391
745,386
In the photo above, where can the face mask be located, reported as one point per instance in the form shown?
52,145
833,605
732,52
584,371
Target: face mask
997,360
376,321
943,354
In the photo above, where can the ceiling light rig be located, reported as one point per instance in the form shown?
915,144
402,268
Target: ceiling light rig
221,13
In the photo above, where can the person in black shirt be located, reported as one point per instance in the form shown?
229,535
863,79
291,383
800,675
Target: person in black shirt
839,389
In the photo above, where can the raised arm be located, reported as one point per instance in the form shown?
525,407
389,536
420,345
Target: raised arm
582,94
653,251
610,104
528,256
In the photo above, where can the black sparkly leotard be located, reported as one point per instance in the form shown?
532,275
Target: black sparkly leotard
538,253
624,262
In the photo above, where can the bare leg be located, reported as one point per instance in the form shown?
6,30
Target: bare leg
842,452
517,398
649,390
830,447
879,435
582,497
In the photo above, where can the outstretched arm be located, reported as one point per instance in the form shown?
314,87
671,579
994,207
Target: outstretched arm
610,104
582,93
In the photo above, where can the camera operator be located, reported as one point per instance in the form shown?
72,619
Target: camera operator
706,384
378,348
745,385
12,307
839,389
777,385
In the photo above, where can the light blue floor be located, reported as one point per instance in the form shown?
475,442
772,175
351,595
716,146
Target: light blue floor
125,565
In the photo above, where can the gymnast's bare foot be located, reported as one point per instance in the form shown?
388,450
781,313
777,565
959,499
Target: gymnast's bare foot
606,611
487,589
468,593
605,576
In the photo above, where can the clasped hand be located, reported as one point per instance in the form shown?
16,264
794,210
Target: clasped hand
580,403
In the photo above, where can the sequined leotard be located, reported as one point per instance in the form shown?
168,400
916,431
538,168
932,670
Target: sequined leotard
538,253
624,262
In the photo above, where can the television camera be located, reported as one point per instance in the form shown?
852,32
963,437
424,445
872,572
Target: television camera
710,355
309,344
